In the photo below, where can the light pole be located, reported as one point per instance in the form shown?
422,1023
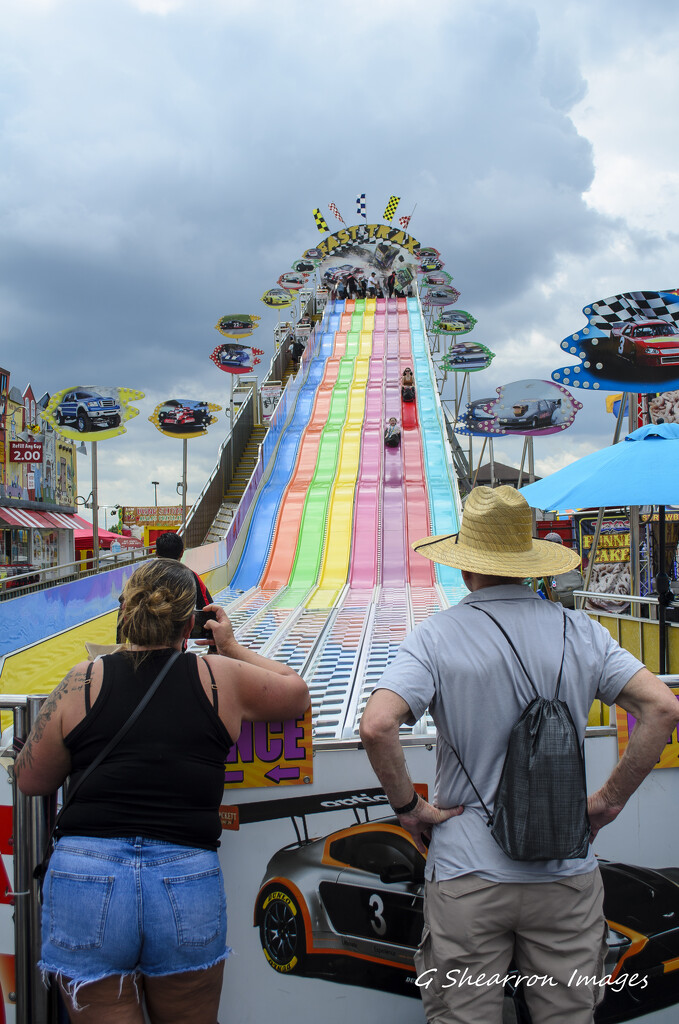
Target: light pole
155,490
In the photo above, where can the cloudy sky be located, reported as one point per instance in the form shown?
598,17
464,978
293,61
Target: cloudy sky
161,158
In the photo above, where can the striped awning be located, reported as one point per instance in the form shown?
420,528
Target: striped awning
29,519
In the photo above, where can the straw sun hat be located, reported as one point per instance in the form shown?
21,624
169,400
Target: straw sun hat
496,539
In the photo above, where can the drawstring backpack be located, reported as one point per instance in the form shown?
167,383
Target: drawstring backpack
540,809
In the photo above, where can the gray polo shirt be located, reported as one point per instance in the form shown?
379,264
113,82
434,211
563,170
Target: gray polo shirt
459,665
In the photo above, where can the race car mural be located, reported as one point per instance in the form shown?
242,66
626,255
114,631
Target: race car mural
527,407
631,342
278,298
237,325
235,358
348,907
466,357
184,417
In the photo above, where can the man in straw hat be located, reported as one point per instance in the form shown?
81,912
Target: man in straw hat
482,908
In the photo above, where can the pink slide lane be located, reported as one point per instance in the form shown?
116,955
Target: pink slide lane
393,521
363,568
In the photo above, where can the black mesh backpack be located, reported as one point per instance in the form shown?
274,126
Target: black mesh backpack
540,810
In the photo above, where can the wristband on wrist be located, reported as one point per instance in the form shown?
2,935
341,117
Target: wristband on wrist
407,807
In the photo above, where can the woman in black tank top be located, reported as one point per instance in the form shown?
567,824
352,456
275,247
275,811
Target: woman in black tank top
136,851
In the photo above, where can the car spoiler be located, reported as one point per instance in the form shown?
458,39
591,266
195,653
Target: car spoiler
358,801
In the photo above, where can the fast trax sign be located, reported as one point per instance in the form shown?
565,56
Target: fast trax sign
271,754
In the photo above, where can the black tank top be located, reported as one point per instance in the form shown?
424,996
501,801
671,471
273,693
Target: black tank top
165,779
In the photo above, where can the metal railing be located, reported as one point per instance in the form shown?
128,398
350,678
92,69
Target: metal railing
40,579
33,820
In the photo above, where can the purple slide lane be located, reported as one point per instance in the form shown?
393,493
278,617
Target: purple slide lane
363,567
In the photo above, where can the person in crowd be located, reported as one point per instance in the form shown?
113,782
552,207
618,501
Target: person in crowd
133,900
392,433
482,909
296,352
560,588
391,281
372,285
408,385
171,545
352,286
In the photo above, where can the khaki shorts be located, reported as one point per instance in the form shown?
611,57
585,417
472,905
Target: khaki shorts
554,931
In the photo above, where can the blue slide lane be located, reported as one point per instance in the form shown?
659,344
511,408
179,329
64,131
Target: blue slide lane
441,497
258,541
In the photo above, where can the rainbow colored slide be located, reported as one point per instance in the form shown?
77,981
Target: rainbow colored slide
327,579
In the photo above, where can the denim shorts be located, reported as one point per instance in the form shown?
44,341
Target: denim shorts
131,906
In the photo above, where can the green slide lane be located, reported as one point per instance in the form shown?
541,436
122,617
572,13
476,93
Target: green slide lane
314,517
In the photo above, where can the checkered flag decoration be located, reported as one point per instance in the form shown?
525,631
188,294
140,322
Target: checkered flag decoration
391,208
320,222
404,222
338,215
360,206
605,313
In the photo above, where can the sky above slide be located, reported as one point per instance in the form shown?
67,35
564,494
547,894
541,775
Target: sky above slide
161,159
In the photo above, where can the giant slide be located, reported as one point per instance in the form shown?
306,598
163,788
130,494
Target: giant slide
327,580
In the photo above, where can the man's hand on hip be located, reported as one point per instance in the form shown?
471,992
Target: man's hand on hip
420,820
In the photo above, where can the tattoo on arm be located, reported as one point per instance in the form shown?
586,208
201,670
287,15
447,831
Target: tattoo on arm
72,683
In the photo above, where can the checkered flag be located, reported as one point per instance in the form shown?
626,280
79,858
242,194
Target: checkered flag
360,206
391,208
320,222
404,222
338,215
605,313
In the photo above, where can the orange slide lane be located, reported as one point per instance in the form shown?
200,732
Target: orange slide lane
286,533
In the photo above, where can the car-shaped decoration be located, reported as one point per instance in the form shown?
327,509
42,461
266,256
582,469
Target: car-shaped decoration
333,906
88,411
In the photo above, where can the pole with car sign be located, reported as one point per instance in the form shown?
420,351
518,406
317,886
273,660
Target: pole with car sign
184,418
92,412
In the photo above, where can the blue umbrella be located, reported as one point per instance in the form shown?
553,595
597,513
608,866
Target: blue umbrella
641,470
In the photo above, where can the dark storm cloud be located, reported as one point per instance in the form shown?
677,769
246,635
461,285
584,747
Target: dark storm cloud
162,160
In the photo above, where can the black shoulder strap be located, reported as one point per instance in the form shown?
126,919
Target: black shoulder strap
518,656
215,691
88,682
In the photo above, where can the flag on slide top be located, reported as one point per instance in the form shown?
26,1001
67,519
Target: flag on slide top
404,222
391,208
338,215
360,206
320,221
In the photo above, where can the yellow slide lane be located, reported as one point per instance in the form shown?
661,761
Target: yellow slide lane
337,549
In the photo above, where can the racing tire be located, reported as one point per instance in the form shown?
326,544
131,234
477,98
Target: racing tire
83,422
281,930
114,421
